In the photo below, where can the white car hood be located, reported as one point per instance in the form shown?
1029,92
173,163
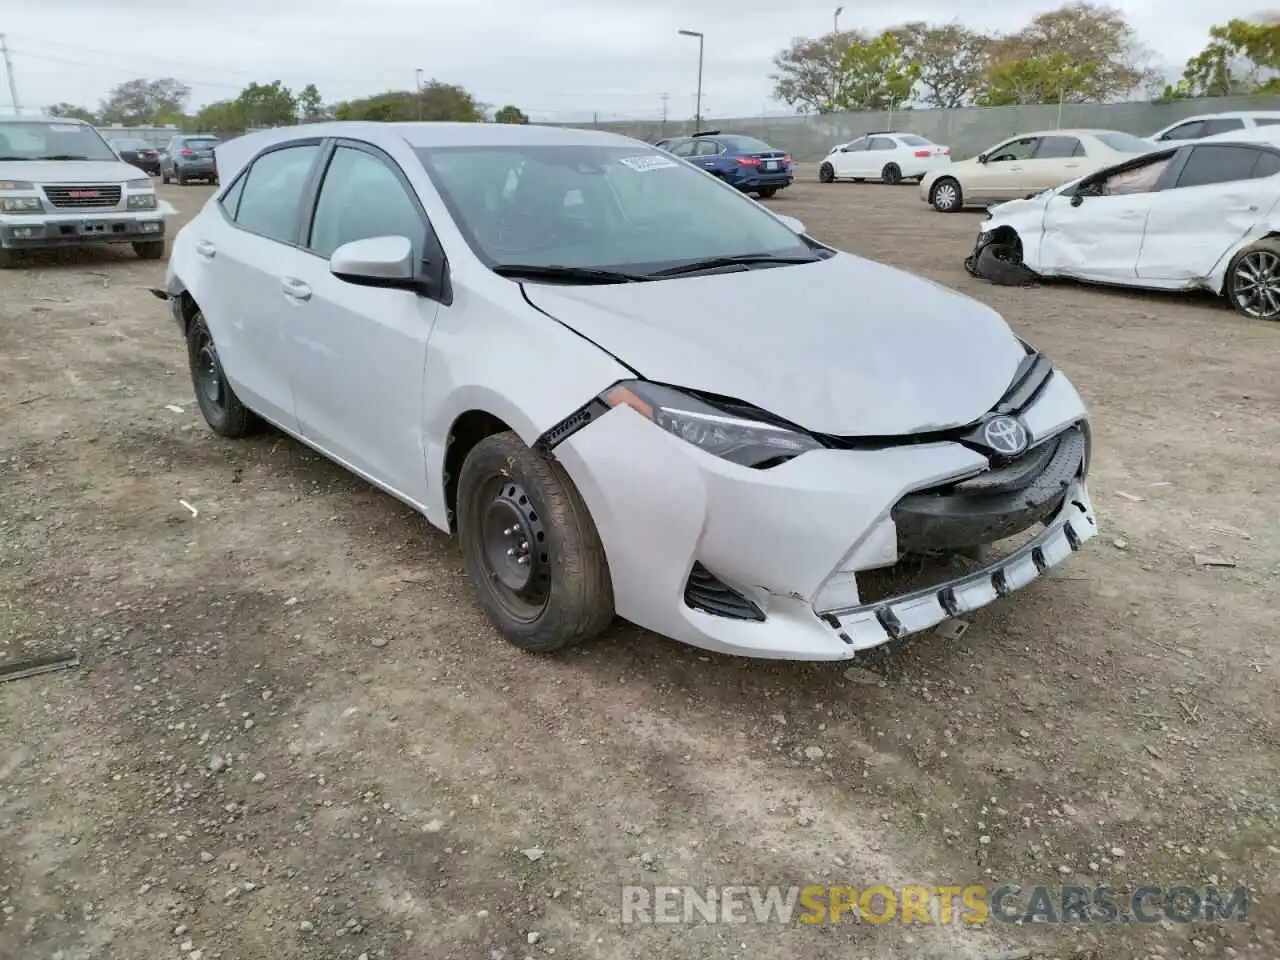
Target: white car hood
845,346
69,171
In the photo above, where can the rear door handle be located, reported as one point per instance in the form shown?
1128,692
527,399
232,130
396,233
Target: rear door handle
206,249
295,289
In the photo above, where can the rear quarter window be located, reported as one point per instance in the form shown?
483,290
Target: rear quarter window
1218,163
913,141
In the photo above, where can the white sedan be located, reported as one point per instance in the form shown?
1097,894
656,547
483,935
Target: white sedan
626,388
888,157
1201,216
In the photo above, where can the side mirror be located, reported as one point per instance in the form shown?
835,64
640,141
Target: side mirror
1077,199
376,262
982,158
796,225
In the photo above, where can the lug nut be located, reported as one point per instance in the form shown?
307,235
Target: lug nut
511,551
523,561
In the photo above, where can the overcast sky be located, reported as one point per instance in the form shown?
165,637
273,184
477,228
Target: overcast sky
555,59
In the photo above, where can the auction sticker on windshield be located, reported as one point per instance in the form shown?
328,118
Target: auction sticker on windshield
644,164
64,127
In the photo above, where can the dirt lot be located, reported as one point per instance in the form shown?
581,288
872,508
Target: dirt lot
386,760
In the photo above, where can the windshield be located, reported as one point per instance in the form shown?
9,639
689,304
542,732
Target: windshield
1126,143
42,140
624,208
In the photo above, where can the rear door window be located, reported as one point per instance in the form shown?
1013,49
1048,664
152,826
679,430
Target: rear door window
1191,130
271,199
1222,125
882,143
1218,163
1058,148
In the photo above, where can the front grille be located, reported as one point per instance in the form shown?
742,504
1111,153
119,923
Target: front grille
82,196
706,592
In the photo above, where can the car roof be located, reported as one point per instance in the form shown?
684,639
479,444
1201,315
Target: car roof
234,154
10,118
1265,135
1226,115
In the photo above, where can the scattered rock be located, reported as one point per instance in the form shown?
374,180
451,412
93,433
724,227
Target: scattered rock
432,826
863,676
306,926
814,753
533,937
1117,851
378,642
206,856
259,777
217,763
533,854
1120,544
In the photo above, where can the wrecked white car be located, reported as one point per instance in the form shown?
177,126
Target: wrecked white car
1202,216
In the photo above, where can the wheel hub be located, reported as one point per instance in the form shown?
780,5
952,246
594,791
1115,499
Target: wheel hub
514,540
1257,284
209,373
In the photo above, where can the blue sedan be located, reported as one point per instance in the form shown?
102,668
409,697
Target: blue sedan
749,164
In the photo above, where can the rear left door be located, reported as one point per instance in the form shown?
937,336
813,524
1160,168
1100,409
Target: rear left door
1221,192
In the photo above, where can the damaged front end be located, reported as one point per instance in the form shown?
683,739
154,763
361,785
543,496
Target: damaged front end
997,257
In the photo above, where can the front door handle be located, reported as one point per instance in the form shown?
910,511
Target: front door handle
295,289
206,249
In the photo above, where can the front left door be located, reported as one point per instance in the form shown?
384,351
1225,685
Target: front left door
360,352
847,159
998,178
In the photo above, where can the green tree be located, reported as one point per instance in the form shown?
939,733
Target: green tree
71,112
435,101
140,102
310,105
267,105
1241,57
1039,80
811,73
951,60
510,114
224,116
876,74
1088,53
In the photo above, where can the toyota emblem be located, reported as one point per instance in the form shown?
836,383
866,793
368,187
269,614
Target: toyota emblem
1005,435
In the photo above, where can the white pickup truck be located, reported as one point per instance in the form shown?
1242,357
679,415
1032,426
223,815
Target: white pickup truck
62,185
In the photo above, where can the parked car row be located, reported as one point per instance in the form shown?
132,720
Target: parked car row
746,163
186,157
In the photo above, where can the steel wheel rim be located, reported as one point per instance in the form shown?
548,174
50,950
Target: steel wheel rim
514,549
209,380
944,195
1255,284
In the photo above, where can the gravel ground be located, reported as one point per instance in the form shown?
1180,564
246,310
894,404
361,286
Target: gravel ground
293,735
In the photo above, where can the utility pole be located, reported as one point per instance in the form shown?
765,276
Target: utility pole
417,84
665,98
8,69
697,116
835,20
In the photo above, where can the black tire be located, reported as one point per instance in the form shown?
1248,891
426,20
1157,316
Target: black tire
826,173
164,176
766,192
8,258
1001,263
222,409
562,595
149,249
180,177
1252,284
946,195
891,174
859,179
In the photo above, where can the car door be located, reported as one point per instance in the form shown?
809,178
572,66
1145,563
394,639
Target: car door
1190,130
709,155
1001,175
847,160
881,151
1058,158
360,352
1221,192
248,251
1095,231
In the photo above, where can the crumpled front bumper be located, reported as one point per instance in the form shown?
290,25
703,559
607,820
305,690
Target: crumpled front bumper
790,541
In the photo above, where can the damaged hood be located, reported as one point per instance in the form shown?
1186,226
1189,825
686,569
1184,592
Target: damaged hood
844,346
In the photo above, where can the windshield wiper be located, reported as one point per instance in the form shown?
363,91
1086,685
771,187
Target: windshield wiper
713,263
63,156
530,271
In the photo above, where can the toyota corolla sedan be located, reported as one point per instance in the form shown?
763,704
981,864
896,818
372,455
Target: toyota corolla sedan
628,389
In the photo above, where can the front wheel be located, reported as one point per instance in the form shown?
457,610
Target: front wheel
7,258
891,173
222,409
946,196
1253,281
826,173
531,548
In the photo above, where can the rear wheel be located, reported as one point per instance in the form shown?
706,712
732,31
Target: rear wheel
826,173
946,196
531,548
149,249
891,173
1253,281
222,409
7,258
766,192
181,178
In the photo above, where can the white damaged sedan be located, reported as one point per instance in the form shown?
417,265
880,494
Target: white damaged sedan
1203,215
627,389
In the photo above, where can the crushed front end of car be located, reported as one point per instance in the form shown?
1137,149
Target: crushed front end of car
997,254
818,550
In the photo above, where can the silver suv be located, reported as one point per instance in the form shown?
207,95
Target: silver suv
62,185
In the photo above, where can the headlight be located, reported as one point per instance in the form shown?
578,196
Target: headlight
142,201
747,438
20,205
16,185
